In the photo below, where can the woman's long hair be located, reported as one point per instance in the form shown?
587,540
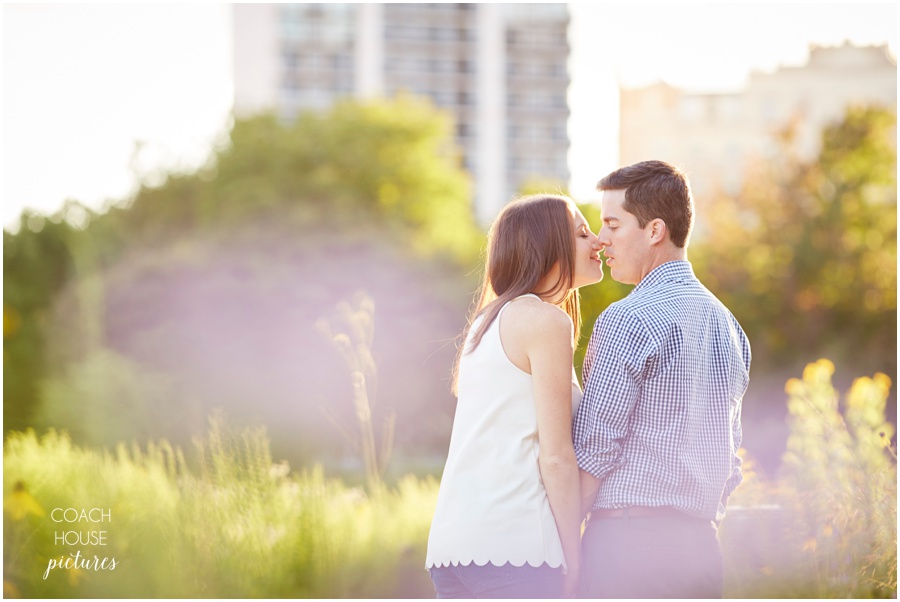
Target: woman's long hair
529,237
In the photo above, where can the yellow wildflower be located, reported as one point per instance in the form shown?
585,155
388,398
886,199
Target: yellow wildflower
20,503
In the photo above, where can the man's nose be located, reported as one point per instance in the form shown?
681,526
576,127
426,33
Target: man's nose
603,237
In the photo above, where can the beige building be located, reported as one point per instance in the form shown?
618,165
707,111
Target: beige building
500,69
713,136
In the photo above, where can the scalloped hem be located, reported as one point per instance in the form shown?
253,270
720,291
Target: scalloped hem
532,563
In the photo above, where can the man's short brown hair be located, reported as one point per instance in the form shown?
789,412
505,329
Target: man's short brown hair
656,189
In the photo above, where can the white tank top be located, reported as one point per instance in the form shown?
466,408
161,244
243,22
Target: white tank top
492,506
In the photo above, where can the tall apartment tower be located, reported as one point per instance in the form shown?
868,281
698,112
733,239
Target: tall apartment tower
713,136
500,69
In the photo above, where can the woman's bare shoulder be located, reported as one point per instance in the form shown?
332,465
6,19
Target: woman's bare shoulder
530,315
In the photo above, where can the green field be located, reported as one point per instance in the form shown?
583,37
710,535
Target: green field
228,521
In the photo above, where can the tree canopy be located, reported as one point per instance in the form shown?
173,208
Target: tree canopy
202,291
805,255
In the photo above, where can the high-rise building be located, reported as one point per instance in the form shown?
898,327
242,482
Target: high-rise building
500,69
713,136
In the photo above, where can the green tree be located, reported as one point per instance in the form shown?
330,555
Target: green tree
805,255
386,163
36,264
202,290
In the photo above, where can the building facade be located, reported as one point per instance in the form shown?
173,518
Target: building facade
713,137
499,69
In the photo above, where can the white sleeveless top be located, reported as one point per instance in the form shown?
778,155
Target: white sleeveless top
492,506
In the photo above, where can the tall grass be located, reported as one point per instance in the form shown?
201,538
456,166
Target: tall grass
230,522
351,331
233,525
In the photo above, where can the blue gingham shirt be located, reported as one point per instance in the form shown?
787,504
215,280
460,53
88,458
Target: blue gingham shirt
664,376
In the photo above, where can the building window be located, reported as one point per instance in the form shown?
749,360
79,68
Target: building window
537,12
322,23
444,99
730,108
315,98
441,65
444,33
562,164
289,59
343,62
768,110
690,109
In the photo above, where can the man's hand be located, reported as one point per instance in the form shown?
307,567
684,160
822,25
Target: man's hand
590,485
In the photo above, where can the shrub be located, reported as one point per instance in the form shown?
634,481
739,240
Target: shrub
827,527
233,525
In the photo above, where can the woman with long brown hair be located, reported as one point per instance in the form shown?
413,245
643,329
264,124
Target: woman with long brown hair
507,521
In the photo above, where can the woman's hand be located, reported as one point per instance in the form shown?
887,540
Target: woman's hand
572,581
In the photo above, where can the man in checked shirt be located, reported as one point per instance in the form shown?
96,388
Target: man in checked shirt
659,427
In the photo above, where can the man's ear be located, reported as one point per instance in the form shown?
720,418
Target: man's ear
658,231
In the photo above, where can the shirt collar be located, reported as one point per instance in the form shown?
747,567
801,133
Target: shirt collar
670,271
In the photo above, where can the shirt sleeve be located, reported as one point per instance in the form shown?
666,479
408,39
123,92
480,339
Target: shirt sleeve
737,434
614,364
737,476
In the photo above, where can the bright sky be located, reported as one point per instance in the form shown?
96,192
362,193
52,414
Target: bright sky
82,84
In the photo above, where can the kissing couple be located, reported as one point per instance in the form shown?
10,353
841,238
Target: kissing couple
615,490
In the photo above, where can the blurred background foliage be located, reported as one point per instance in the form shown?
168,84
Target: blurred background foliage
203,292
825,524
805,255
227,521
